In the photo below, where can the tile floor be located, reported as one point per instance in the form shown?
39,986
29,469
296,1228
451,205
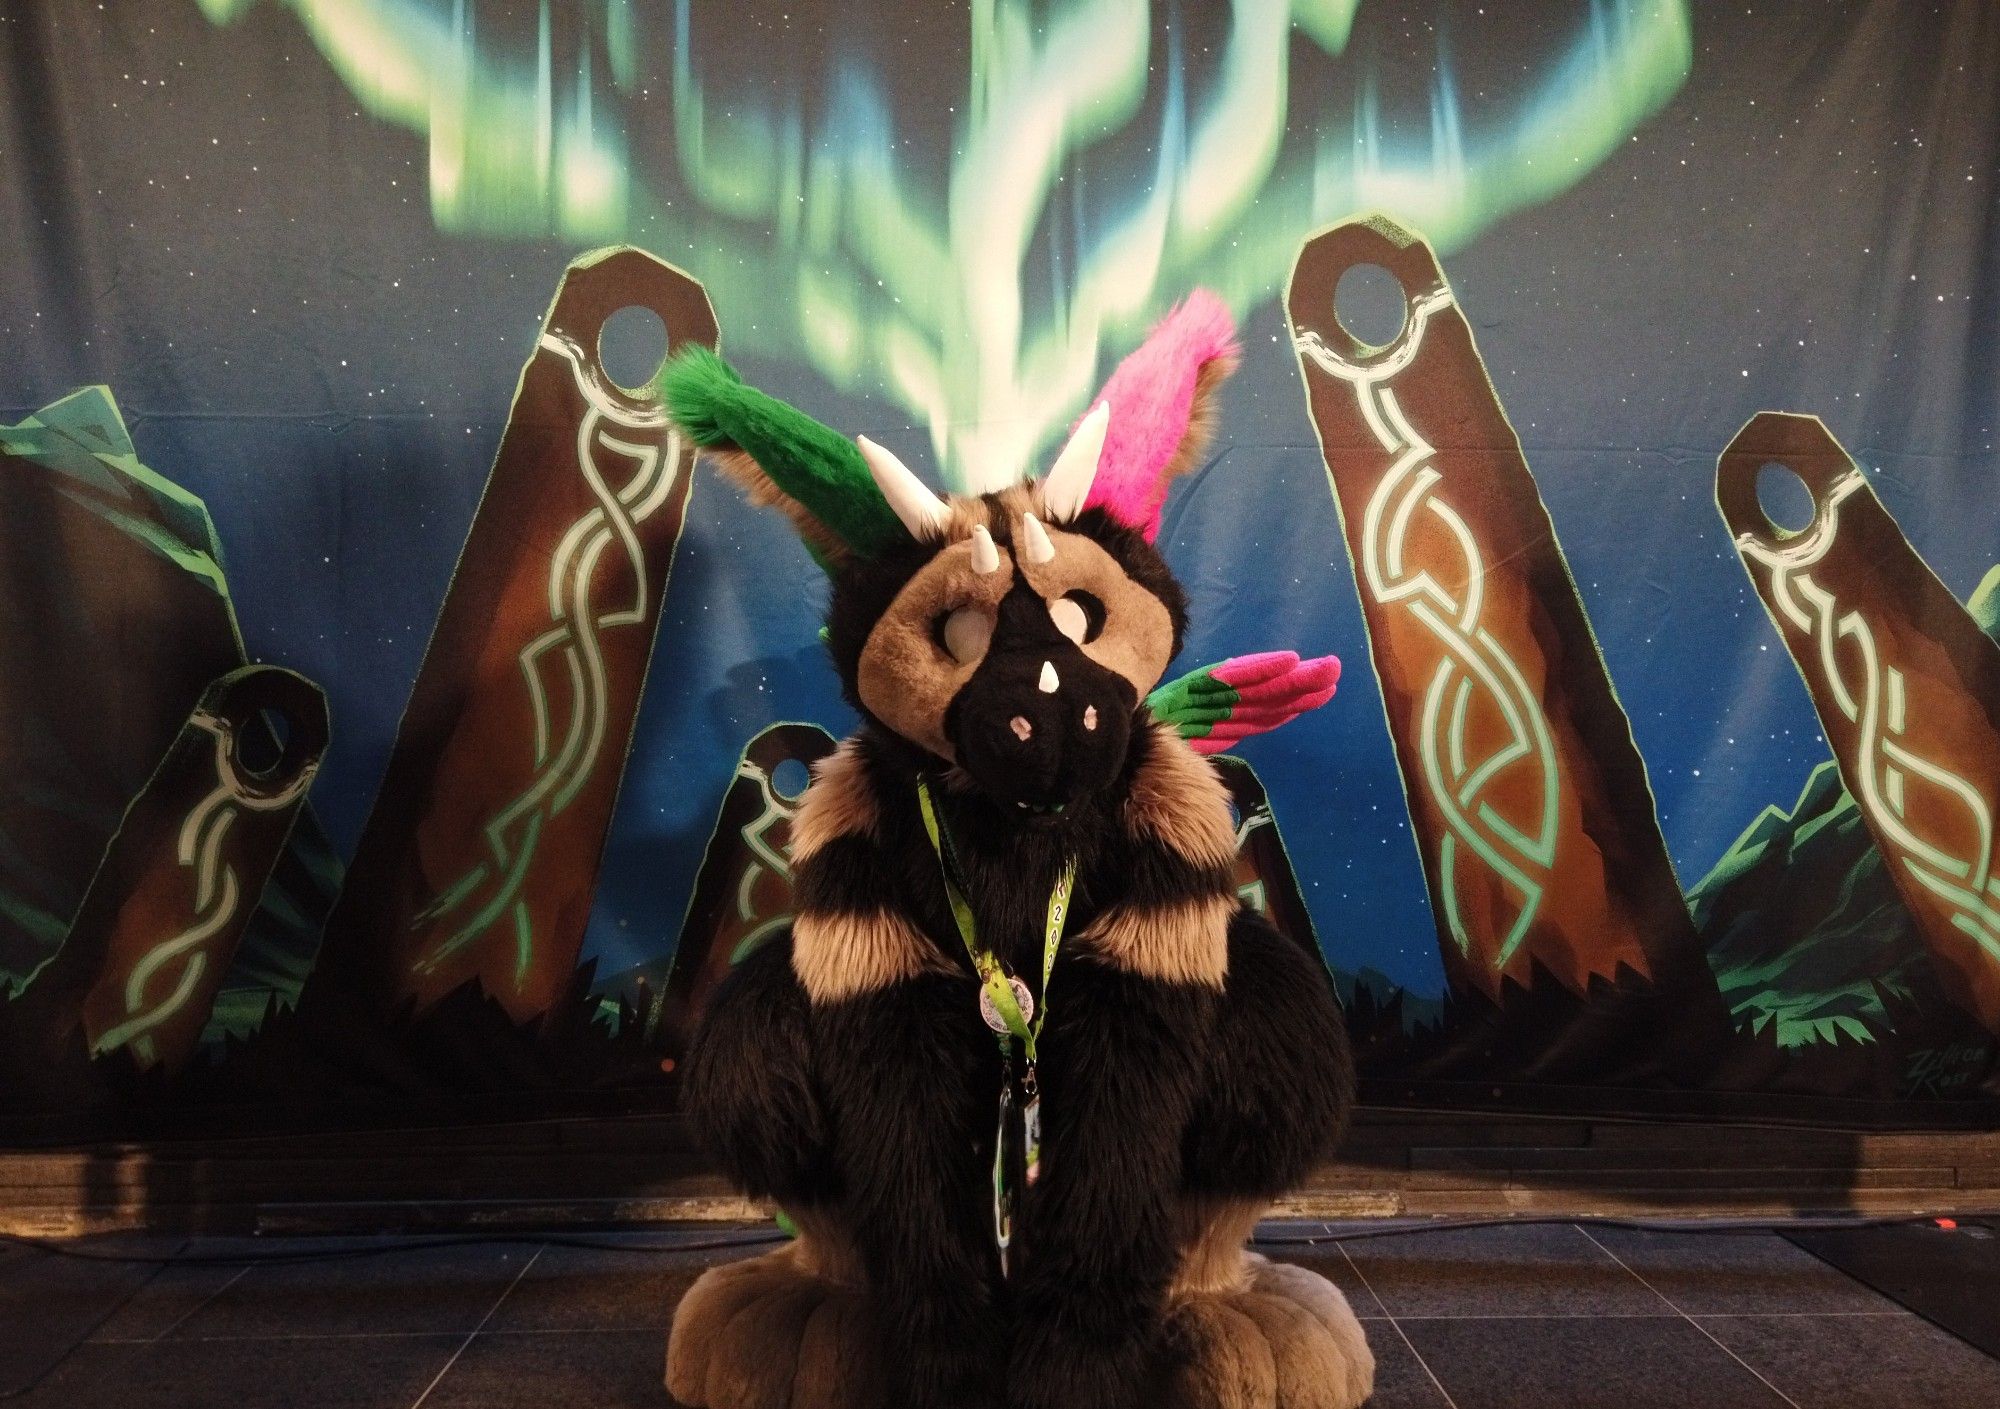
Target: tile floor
1553,1317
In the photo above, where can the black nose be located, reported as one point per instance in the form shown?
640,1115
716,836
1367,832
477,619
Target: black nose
1040,724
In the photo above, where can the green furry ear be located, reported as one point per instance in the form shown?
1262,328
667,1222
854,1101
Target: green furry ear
782,457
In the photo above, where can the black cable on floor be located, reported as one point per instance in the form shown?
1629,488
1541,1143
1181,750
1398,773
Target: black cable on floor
377,1249
1330,1234
1725,1226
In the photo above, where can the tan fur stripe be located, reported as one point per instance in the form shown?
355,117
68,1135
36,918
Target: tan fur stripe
846,955
1179,800
1186,942
839,803
1211,1234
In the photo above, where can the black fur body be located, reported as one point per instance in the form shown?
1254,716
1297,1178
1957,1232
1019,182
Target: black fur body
876,1112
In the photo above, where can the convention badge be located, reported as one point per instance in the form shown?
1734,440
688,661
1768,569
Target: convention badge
1031,1138
1006,1191
990,1011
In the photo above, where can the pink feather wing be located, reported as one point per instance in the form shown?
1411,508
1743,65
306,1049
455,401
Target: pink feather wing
1268,698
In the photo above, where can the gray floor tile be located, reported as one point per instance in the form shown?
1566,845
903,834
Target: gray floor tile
586,1289
557,1370
185,1286
1730,1274
1574,1363
159,1306
257,1374
1332,1264
1862,1362
53,1302
1531,1271
1401,1381
420,1291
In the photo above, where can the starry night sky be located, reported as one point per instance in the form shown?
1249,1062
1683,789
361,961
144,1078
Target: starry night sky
204,218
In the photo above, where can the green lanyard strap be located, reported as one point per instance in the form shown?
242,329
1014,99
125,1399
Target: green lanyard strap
993,976
1017,1145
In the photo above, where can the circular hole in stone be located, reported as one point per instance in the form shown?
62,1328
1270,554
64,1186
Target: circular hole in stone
632,346
260,745
1784,498
789,779
1370,304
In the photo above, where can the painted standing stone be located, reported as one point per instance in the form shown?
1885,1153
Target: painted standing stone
743,892
480,855
118,615
1265,880
1529,800
161,921
1906,684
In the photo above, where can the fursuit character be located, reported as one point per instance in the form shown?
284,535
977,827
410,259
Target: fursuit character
1024,1074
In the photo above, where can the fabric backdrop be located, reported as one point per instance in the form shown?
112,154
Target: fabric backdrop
308,245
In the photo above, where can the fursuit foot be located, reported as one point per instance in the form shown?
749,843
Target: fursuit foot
1280,1338
774,1332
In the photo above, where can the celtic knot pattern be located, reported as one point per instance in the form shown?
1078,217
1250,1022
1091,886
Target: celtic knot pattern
1473,665
568,658
1885,767
218,895
756,835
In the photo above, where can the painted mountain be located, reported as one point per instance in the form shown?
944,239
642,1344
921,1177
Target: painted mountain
119,616
1804,930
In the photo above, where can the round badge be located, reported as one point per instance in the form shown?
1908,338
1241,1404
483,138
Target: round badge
988,1011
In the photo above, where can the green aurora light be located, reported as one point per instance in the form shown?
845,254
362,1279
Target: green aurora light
819,246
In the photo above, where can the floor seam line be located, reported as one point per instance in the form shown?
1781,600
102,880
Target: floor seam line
398,1335
200,1306
1401,1334
473,1334
88,1336
1689,1319
1672,1313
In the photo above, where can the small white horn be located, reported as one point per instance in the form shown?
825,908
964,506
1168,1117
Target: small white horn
922,512
1035,544
985,557
1067,484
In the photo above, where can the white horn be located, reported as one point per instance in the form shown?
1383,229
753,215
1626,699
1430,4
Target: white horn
985,557
1067,485
922,512
1035,545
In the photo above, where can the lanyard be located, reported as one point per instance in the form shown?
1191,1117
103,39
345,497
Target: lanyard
1009,1009
1004,995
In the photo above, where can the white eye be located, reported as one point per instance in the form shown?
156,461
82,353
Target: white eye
966,634
1070,619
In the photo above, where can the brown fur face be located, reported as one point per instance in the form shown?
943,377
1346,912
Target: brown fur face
907,678
1031,690
1137,639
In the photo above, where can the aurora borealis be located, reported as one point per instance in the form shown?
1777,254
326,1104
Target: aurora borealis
1105,155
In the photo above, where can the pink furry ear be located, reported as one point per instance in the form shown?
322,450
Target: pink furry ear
1163,410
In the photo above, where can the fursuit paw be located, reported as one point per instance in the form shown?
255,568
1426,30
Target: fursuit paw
1285,1340
770,1333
